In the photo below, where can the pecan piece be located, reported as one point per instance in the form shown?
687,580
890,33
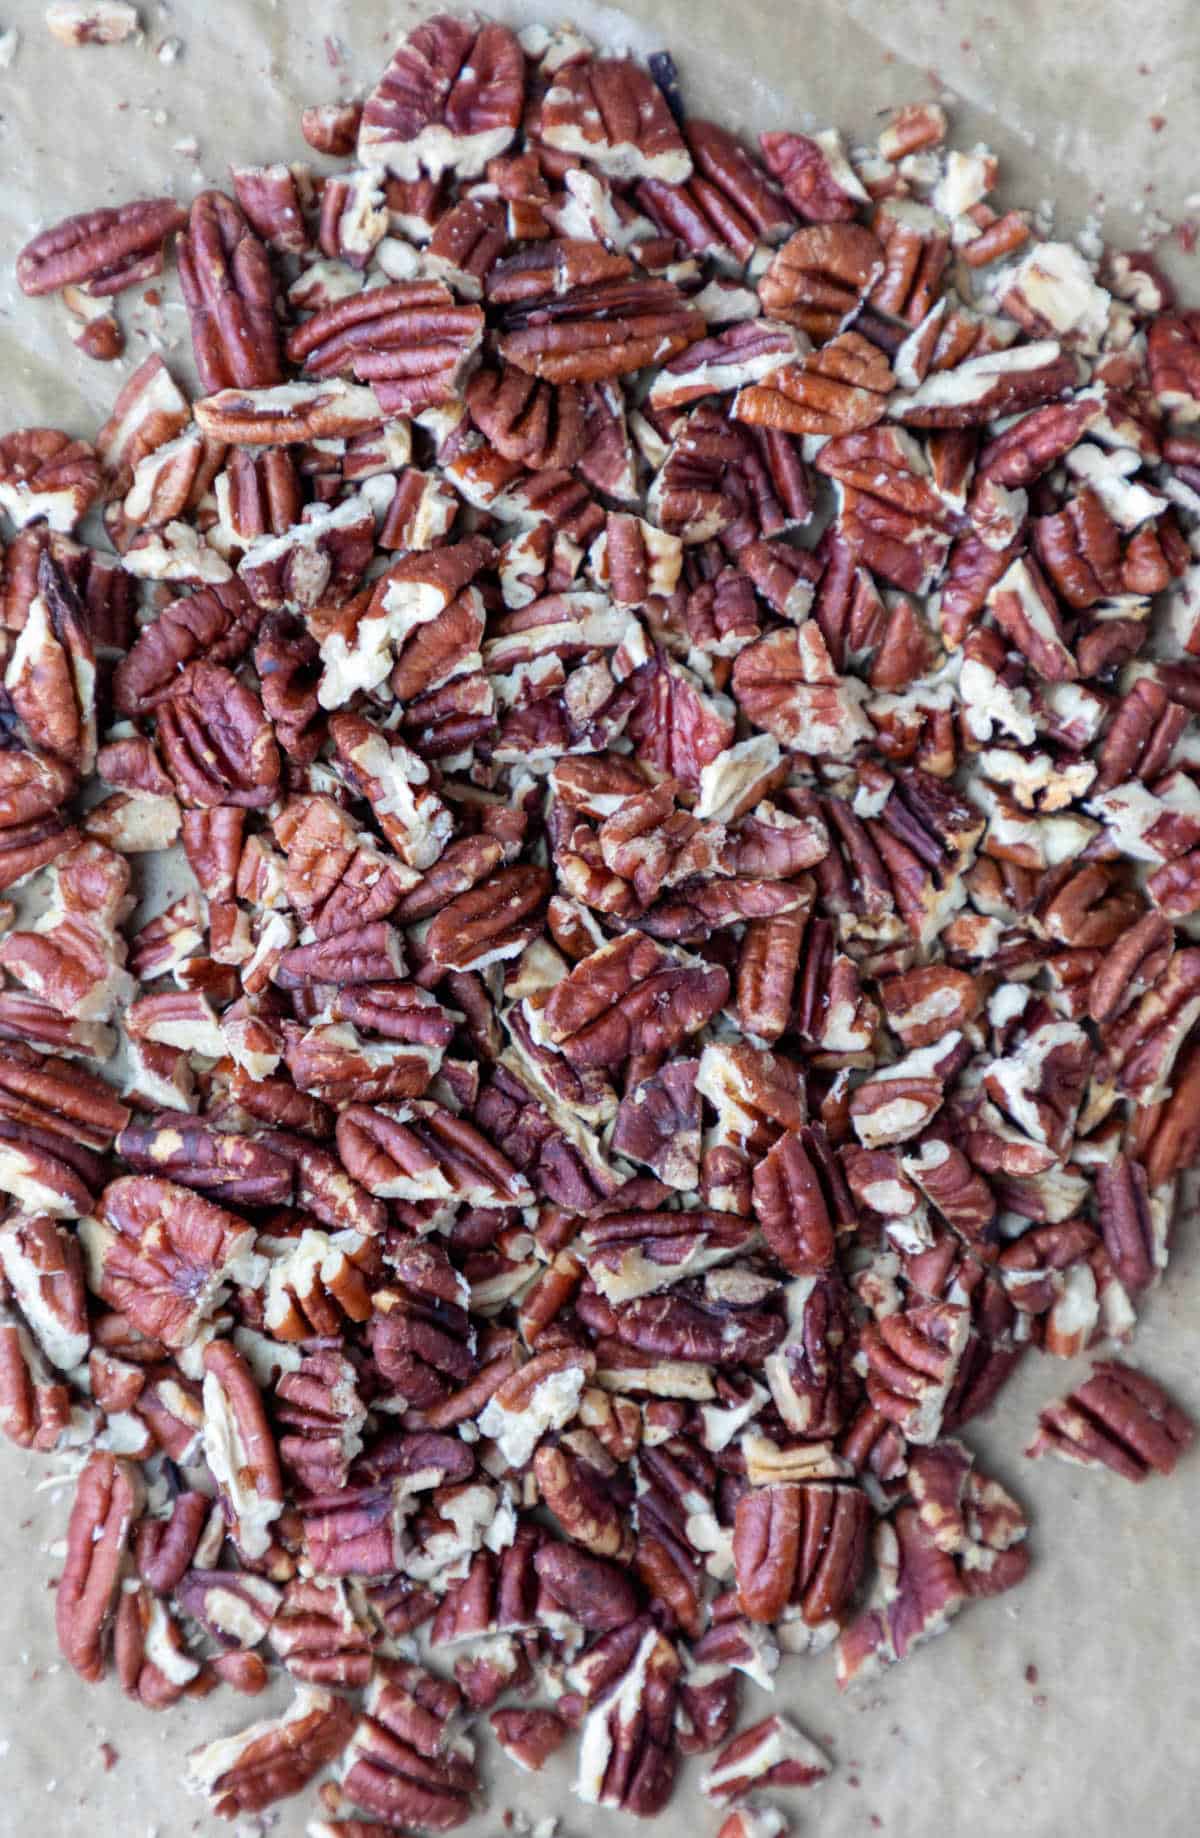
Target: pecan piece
593,333
227,286
449,100
610,112
630,996
44,474
1117,1418
272,1759
410,341
773,1753
101,251
108,1501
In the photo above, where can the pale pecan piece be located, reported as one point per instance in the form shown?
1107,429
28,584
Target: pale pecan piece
786,684
1117,1418
984,388
273,1759
529,1737
291,412
449,100
610,112
227,285
917,1592
101,251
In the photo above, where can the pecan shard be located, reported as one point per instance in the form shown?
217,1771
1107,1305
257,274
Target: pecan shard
449,100
229,293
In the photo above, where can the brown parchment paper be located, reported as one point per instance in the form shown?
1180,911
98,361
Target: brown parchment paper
1071,1706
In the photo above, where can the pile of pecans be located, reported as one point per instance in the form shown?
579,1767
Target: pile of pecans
684,976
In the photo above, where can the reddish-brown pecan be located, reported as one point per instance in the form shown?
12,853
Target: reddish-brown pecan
537,423
529,1737
227,285
491,923
627,1755
912,1360
107,1504
773,1753
332,127
273,1759
800,1200
101,251
593,333
816,177
217,743
1173,359
449,100
1117,1418
610,112
162,1255
631,996
819,276
917,1592
409,341
802,1544
405,1761
419,1151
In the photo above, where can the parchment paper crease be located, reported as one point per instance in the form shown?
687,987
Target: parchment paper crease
1090,105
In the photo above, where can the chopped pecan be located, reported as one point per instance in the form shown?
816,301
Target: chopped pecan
108,1501
273,1759
449,100
610,112
1117,1418
773,1753
409,341
101,251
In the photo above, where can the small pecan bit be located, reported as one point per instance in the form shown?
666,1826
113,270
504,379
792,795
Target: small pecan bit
410,341
273,1759
1117,1418
332,127
740,355
449,100
44,474
529,1737
227,286
163,1256
92,22
773,1753
108,1501
101,251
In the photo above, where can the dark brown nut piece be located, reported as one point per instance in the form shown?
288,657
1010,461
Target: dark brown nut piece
102,251
816,177
230,1167
1133,1223
1117,1418
774,1753
590,1590
658,1124
361,954
449,100
216,626
406,1761
271,202
411,341
611,113
240,1448
820,275
217,743
491,923
108,1500
627,1754
631,996
227,285
51,674
799,1544
792,1205
593,333
527,420
287,660
786,683
911,1360
273,1759
529,1737
918,1591
419,1151
45,475
332,127
162,1256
